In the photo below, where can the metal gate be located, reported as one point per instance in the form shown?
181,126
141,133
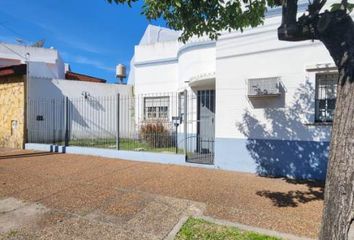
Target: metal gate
201,127
179,123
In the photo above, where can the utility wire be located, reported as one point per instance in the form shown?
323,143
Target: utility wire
2,24
13,31
13,51
23,38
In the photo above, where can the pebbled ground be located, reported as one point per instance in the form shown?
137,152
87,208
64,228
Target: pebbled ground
65,196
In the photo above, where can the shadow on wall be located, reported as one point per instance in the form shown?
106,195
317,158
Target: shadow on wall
288,157
93,117
95,103
87,118
46,113
75,113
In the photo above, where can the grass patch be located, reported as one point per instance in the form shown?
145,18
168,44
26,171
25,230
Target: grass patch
198,229
125,144
17,235
9,235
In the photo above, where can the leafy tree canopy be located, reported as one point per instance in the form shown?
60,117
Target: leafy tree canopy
210,17
200,17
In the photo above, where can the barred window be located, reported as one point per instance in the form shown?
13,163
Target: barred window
326,93
156,107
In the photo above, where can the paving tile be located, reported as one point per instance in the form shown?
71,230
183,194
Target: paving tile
126,205
78,199
81,229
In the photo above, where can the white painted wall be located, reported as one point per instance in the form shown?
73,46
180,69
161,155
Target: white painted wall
91,117
195,59
44,62
156,78
44,70
236,57
42,88
155,34
260,54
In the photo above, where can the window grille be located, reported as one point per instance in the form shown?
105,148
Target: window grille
326,93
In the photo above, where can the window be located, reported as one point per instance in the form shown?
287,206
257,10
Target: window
156,107
326,92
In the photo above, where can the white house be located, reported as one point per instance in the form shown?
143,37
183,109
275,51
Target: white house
46,83
12,54
254,103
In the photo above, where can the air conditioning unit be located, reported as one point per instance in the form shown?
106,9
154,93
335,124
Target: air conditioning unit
264,87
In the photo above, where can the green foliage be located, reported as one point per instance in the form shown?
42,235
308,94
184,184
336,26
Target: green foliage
205,17
339,6
198,229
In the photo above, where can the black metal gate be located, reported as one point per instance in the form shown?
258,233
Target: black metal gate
201,128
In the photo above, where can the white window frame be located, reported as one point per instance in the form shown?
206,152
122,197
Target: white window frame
157,108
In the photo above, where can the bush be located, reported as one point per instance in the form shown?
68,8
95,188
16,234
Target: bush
156,135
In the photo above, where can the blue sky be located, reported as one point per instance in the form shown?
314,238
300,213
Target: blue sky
92,35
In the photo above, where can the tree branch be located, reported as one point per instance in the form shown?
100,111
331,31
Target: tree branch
316,6
344,4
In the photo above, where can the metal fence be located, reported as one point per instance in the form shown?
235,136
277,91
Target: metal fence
181,123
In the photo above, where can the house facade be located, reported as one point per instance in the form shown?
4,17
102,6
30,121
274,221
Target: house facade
38,92
12,106
252,103
14,87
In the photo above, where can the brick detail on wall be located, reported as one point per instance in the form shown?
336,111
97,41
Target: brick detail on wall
12,104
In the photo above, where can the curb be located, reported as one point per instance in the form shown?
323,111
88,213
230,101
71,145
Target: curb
177,227
285,236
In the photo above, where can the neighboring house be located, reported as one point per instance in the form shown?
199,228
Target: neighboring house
12,106
262,105
33,85
12,54
69,75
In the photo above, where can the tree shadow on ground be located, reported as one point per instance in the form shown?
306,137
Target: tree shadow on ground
314,192
282,144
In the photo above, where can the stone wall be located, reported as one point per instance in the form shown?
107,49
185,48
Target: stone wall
12,111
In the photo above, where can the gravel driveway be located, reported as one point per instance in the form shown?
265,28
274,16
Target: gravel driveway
63,196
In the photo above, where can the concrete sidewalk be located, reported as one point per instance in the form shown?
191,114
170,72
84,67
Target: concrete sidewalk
82,197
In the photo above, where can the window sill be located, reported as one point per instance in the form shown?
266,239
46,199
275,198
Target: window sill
319,124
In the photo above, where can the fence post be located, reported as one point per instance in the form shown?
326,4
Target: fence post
66,121
118,116
185,120
53,122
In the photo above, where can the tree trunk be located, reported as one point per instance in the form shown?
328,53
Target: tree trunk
338,214
337,34
336,31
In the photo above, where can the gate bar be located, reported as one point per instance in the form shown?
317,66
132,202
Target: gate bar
66,119
185,126
118,115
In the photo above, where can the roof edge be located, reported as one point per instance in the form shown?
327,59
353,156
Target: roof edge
20,69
